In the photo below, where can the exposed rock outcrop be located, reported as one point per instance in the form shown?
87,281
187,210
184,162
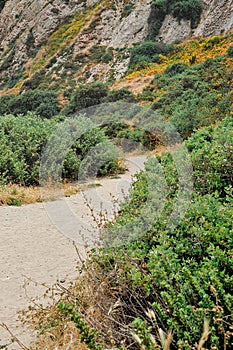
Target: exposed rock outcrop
26,26
217,18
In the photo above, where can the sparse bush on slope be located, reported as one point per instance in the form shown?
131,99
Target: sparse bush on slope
144,53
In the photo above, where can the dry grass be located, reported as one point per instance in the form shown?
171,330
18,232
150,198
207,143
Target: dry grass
107,304
95,299
59,334
101,306
137,85
18,194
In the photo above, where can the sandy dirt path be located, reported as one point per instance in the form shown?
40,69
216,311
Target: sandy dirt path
36,242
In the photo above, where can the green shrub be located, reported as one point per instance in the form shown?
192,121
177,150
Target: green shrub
119,95
144,53
22,141
34,82
14,201
182,274
194,96
23,138
159,10
212,158
188,9
107,57
42,102
88,335
128,7
6,103
230,51
176,68
86,96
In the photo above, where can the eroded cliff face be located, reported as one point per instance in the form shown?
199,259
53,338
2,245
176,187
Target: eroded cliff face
216,18
72,38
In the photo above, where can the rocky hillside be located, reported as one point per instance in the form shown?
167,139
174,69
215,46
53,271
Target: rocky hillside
59,43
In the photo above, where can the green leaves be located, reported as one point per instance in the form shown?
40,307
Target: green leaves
194,96
145,53
213,158
88,335
86,96
184,272
23,139
21,143
42,102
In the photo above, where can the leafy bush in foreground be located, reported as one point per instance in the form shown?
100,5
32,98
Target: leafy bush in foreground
171,277
23,138
213,159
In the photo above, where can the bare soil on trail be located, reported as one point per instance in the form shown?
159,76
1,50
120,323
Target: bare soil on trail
36,244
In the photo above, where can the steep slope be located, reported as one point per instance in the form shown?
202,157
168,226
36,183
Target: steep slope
216,18
59,43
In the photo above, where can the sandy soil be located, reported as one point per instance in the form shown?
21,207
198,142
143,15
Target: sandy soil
37,244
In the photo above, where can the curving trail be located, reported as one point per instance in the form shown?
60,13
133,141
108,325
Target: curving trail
36,243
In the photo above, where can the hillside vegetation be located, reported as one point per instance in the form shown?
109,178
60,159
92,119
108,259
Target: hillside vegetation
164,272
165,269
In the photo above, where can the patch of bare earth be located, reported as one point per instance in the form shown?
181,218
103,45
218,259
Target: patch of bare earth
135,85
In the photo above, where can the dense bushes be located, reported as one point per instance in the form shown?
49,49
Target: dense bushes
145,53
183,274
157,15
21,141
176,68
194,96
93,94
212,158
23,138
230,51
119,95
45,102
174,277
86,96
157,273
180,9
187,9
42,102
